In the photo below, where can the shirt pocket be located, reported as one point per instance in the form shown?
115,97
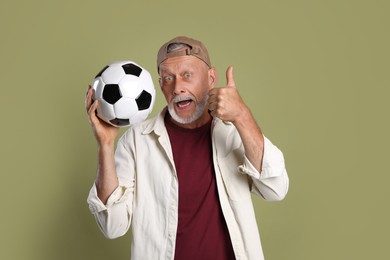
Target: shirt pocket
236,184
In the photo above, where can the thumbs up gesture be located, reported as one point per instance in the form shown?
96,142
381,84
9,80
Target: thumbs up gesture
225,102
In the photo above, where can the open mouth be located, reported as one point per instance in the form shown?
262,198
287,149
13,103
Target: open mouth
184,103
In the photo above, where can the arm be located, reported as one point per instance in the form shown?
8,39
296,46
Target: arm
226,104
109,201
106,179
264,162
251,137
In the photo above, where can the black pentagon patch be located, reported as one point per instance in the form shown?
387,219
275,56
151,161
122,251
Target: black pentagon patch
120,121
143,100
132,69
101,72
111,93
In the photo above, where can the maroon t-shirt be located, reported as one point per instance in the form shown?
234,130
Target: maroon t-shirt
202,232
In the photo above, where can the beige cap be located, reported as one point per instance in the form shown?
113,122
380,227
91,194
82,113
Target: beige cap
196,48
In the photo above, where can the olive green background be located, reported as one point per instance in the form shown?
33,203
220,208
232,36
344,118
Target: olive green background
314,73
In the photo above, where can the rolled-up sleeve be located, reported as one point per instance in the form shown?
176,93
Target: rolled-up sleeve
272,182
114,217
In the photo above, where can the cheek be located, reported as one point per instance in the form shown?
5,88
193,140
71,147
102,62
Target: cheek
202,88
167,94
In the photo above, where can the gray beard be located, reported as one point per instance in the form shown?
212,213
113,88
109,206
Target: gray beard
198,112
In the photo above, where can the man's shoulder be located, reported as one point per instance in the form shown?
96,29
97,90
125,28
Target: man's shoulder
152,124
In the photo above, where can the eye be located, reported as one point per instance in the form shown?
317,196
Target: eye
187,75
168,78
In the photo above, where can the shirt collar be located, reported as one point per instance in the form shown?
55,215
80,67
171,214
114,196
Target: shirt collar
156,124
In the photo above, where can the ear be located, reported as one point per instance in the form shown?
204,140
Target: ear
213,77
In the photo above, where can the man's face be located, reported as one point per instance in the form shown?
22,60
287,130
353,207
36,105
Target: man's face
185,82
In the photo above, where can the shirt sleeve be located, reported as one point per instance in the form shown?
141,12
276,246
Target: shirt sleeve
96,205
272,182
114,217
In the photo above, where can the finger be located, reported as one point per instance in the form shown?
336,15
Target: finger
212,106
92,109
229,77
86,102
214,98
89,87
214,93
88,99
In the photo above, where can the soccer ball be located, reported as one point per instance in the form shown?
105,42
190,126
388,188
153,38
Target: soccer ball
125,92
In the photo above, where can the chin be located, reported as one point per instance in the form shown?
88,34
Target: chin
183,120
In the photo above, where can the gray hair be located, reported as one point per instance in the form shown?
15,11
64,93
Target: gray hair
177,46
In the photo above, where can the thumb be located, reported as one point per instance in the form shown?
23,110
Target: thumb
229,77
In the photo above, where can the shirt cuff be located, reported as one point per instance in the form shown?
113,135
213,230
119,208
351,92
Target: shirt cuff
248,168
272,164
96,205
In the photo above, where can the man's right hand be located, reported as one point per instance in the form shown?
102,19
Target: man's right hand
105,134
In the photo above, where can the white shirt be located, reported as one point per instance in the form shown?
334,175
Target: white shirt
147,196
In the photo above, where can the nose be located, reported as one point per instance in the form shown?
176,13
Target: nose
179,87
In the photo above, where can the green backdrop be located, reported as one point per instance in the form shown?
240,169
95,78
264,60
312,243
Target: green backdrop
315,74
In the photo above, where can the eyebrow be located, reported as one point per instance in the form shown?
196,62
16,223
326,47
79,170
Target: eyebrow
165,69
